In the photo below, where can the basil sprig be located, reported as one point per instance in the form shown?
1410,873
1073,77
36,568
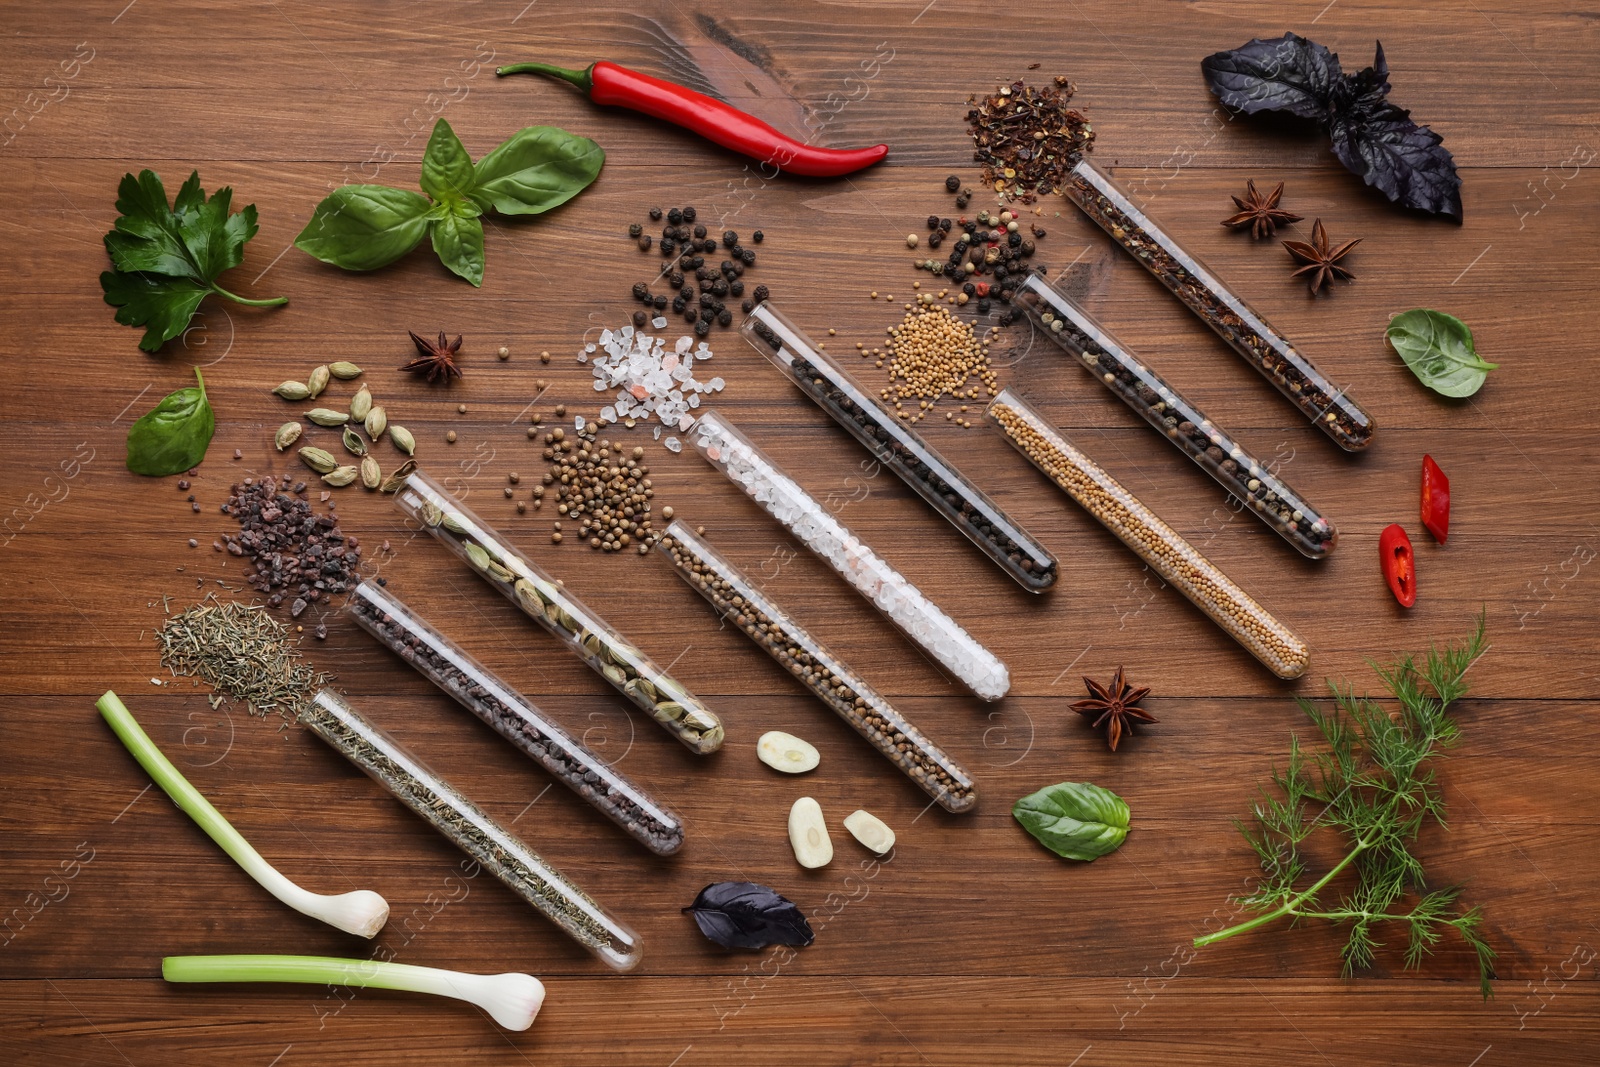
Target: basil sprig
172,436
363,227
1438,348
1075,820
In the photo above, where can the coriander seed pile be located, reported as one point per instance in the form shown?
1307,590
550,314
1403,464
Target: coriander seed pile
600,484
932,353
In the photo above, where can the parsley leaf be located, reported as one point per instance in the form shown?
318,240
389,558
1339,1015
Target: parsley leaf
167,259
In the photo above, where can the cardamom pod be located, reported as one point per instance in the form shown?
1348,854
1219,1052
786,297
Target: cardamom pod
318,381
341,476
666,711
328,416
393,483
377,421
371,475
318,460
453,523
498,573
614,674
431,514
360,404
403,440
344,371
293,391
527,595
477,556
287,435
353,443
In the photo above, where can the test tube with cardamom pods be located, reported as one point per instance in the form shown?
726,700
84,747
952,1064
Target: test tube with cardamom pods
829,679
470,829
746,466
440,660
900,448
1214,451
1178,562
548,603
1199,289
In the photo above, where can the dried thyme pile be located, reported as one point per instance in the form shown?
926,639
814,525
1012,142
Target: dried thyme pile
243,653
1028,139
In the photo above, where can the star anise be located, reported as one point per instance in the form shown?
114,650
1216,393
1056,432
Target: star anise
435,360
1113,707
1321,262
1261,213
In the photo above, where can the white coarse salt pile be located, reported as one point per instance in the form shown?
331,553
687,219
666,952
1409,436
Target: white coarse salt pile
650,379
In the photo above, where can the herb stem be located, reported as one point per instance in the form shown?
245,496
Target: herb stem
1289,907
276,301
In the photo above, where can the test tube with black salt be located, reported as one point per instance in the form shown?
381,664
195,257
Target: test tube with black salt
470,829
900,448
547,602
829,679
1202,292
443,662
892,593
1255,484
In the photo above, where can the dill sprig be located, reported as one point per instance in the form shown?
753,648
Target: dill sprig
1374,786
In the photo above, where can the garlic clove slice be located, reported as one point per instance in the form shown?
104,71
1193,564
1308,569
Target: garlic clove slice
870,830
786,752
808,834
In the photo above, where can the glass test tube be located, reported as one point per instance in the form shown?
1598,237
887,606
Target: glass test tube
440,804
828,678
441,661
548,603
1250,335
902,603
1186,426
1178,562
900,448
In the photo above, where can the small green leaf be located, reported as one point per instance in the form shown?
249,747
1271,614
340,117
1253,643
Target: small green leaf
534,170
162,305
1075,820
446,167
172,436
1438,348
459,243
363,227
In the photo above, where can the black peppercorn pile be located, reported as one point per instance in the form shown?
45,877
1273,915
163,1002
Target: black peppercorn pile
295,551
702,292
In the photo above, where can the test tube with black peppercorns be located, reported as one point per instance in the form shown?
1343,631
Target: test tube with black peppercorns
900,448
1250,335
1254,483
546,601
440,660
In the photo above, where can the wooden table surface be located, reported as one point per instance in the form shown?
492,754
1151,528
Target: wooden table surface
973,944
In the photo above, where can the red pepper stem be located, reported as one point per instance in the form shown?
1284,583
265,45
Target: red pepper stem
581,78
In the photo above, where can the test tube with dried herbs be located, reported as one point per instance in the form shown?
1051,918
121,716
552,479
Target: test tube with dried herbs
443,662
1257,485
830,680
1178,562
1250,335
548,603
444,807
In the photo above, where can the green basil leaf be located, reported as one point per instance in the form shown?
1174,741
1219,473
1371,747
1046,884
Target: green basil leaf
459,242
162,305
446,167
172,437
363,227
534,170
1076,820
1438,349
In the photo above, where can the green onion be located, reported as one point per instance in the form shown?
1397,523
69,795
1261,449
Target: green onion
512,999
362,912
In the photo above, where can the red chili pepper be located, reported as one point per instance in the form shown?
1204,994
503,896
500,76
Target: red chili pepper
608,83
1399,565
1435,500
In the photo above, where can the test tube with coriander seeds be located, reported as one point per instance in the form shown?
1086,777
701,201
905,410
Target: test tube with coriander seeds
1202,292
1178,562
547,602
444,663
1212,449
470,829
735,598
904,451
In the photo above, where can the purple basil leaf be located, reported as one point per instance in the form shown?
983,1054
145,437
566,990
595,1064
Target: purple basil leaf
1363,92
1289,74
747,915
1407,162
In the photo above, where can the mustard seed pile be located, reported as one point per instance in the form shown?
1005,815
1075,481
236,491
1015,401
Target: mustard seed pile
931,354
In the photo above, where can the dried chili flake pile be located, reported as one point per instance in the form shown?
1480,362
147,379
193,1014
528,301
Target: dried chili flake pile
1027,138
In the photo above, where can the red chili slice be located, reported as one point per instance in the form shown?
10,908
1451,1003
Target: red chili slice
1399,564
1435,500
